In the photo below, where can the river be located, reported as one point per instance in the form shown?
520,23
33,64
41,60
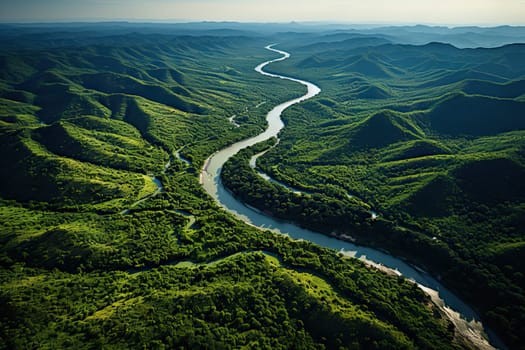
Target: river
463,316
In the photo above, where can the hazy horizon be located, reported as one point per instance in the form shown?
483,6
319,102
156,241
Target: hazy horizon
380,12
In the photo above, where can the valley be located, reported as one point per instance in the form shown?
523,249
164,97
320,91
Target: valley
427,135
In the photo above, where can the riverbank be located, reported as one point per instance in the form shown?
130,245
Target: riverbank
210,180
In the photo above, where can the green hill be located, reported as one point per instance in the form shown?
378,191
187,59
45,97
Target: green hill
373,92
167,75
415,149
46,177
456,76
311,62
58,101
492,181
460,114
113,83
434,198
383,128
511,89
14,69
124,149
365,66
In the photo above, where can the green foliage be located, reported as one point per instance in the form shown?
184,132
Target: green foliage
94,255
316,211
442,161
475,115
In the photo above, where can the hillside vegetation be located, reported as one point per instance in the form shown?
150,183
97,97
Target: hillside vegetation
438,150
94,254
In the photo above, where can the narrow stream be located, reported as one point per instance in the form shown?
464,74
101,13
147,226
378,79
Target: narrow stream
463,316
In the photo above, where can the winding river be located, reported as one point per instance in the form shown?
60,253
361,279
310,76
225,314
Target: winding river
463,316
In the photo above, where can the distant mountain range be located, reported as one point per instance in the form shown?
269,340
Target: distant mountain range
462,37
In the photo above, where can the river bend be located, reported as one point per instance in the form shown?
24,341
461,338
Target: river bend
463,316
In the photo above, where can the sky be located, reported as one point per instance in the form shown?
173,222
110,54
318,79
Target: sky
444,12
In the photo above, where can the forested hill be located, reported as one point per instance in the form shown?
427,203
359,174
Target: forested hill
430,136
94,254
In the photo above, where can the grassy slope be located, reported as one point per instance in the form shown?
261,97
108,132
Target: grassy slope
81,127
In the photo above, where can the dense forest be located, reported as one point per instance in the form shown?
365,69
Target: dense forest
431,137
95,254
